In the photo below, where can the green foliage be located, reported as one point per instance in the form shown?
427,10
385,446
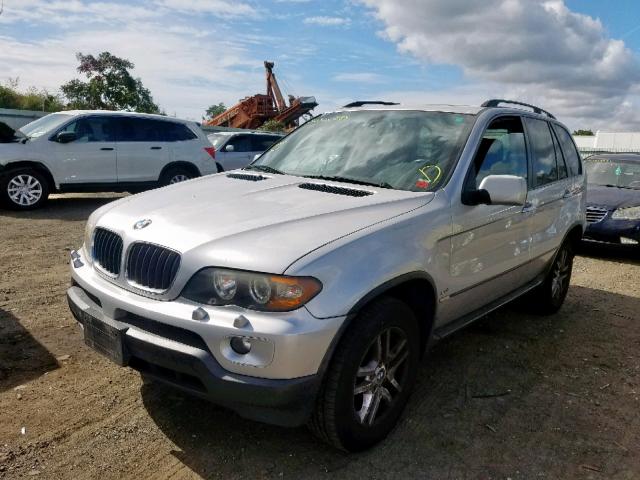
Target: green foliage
32,99
109,86
214,111
583,132
273,126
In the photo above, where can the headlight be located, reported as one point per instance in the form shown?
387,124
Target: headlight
256,291
630,213
88,238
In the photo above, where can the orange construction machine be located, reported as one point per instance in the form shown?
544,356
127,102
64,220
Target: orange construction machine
252,112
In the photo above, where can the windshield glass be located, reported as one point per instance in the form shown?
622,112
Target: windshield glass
217,139
405,150
605,171
44,125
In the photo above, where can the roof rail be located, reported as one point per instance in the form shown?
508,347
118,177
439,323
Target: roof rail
361,103
496,103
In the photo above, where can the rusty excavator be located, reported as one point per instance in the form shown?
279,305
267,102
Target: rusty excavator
252,112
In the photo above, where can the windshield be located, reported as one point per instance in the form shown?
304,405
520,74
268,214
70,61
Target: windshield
611,172
405,150
217,139
44,125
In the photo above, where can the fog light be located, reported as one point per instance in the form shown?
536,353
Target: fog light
628,241
240,345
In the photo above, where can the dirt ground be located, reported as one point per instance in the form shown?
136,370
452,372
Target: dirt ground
513,396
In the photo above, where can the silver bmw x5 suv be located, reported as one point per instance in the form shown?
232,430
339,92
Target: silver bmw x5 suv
306,287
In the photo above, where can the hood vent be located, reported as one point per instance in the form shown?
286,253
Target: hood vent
246,176
323,187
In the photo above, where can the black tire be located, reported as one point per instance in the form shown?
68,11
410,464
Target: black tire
548,297
35,193
175,175
337,417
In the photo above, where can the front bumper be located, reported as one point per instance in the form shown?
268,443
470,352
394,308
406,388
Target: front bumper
276,385
618,232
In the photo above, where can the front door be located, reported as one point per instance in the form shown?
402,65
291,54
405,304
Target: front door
91,157
490,243
239,155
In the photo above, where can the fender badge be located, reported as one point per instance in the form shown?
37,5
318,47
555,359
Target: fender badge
140,224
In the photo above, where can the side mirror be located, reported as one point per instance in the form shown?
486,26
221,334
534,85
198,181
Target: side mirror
229,148
504,189
65,137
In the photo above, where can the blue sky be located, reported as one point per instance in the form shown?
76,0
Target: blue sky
578,58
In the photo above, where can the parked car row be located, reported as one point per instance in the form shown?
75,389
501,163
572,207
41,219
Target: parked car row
305,288
113,151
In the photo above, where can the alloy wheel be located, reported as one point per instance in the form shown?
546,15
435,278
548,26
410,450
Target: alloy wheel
560,275
181,177
24,190
381,375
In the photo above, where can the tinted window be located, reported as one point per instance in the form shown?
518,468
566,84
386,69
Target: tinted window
92,129
502,150
240,143
140,130
571,156
543,154
259,143
175,132
562,166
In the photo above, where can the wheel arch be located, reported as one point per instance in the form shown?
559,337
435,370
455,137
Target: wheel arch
38,166
416,289
180,164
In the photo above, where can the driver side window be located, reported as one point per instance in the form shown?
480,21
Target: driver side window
502,150
90,130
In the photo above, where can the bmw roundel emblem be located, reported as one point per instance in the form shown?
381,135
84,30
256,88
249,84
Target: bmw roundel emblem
140,224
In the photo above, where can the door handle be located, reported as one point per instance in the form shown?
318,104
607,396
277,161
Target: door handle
156,148
106,148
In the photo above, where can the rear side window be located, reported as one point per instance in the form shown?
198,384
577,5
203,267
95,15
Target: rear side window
259,143
545,168
175,132
571,156
502,150
139,130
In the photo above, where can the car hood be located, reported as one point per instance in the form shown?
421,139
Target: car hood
612,197
261,225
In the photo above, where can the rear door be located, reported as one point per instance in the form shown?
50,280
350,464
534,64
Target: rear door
91,157
239,155
143,149
260,143
549,189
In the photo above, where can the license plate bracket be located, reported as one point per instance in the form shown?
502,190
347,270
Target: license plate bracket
106,337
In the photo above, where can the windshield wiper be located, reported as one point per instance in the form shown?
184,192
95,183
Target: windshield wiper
264,168
350,180
619,186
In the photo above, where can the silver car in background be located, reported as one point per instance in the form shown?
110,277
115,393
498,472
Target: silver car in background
235,150
306,287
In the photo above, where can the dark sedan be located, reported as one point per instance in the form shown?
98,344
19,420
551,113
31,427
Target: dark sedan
613,199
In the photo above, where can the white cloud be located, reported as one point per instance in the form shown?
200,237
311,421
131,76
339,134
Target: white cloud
535,50
222,8
359,77
327,21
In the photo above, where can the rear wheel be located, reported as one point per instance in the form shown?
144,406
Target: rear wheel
549,296
24,189
370,377
176,175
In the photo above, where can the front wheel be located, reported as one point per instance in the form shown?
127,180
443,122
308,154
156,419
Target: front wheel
24,189
549,296
370,377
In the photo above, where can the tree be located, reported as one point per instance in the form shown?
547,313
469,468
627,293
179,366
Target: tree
214,111
32,99
583,133
110,86
273,126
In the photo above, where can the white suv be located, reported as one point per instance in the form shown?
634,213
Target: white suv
100,151
306,287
